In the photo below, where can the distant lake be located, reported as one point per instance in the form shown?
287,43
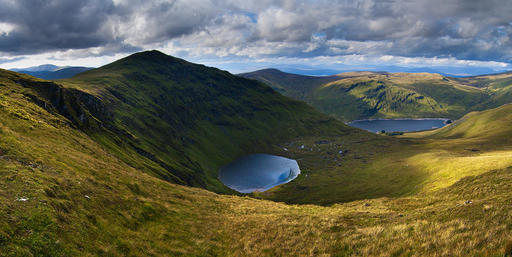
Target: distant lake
258,172
398,125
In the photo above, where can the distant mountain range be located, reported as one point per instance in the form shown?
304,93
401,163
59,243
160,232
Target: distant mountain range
311,70
50,71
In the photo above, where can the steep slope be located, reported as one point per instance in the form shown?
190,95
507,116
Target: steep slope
187,120
64,194
361,95
492,127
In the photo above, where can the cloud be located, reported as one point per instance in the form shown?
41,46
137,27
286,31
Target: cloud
49,25
10,60
471,30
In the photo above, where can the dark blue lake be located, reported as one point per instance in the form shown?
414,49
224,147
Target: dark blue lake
258,172
398,125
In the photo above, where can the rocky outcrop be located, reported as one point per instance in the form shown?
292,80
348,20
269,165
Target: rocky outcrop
82,109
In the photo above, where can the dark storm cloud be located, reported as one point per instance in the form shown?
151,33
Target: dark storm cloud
463,29
47,25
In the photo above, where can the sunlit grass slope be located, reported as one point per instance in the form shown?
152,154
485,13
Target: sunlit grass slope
383,166
491,126
187,120
478,142
64,194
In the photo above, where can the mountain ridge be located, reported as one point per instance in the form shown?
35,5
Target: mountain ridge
362,95
52,72
43,67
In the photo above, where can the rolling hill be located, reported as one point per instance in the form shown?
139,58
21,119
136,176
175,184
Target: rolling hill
51,72
498,86
362,95
92,166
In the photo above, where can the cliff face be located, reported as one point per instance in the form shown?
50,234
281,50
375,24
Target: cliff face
84,110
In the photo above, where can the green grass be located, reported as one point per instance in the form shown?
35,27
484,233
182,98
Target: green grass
374,166
131,213
362,95
90,193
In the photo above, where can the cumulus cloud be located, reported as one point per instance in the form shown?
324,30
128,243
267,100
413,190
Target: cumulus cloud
450,29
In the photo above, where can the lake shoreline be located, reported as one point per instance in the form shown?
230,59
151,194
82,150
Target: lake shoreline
258,172
400,124
445,119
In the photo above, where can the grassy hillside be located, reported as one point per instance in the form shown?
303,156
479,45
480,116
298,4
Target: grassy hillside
361,95
498,86
491,127
182,121
64,194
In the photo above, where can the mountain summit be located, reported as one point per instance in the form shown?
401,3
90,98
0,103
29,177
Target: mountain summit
185,120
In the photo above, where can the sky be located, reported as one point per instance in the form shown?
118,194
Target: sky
460,37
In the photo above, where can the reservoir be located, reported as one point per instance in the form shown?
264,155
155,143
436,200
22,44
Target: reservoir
398,125
258,172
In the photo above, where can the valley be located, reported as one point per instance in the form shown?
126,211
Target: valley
372,95
123,160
